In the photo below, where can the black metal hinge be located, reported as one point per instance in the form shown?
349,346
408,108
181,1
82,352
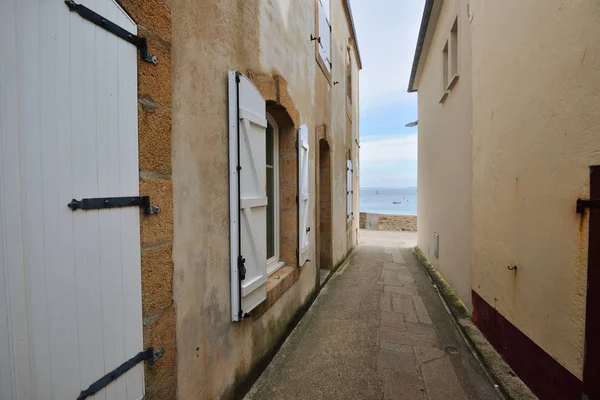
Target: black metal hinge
583,204
140,42
99,203
145,355
242,267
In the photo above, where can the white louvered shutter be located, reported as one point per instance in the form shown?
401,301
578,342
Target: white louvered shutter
325,33
303,196
248,198
350,190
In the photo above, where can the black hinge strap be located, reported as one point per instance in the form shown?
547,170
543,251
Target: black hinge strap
100,203
146,355
583,204
140,42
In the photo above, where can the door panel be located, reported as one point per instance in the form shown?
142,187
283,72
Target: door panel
71,282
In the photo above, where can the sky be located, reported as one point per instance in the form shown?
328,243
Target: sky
387,33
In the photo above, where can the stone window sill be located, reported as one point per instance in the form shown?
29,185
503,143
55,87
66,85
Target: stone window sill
277,284
274,267
444,96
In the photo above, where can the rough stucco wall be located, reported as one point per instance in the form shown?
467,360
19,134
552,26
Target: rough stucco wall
444,158
213,352
536,106
209,39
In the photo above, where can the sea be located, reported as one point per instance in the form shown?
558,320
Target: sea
389,201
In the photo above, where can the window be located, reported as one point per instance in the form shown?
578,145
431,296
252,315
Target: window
349,76
450,61
445,67
272,176
454,52
324,35
268,195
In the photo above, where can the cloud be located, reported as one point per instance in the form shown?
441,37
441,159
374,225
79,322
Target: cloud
388,148
387,33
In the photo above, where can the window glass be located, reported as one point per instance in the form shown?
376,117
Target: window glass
270,192
348,75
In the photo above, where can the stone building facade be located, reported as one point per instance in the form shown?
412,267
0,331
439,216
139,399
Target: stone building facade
300,63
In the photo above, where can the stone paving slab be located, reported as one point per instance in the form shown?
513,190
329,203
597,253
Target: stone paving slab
397,257
392,320
441,380
403,385
408,291
422,313
376,331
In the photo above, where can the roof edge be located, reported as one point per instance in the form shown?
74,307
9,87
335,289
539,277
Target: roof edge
349,15
420,41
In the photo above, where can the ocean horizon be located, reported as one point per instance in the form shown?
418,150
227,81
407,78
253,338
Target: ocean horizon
399,201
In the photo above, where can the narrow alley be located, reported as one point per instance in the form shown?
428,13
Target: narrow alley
377,330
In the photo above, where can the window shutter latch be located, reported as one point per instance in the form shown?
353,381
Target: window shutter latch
242,267
140,42
583,204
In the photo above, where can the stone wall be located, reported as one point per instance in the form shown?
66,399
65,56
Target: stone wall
153,19
388,222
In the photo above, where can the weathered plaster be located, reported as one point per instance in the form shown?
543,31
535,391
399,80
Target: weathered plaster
270,42
536,112
444,196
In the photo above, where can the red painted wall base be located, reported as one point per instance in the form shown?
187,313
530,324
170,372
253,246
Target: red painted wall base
542,373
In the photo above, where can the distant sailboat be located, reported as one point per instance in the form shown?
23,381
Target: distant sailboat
378,192
397,202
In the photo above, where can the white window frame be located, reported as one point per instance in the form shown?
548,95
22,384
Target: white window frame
274,263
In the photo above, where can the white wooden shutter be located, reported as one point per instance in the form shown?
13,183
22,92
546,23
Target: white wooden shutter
248,196
350,189
325,33
303,196
70,281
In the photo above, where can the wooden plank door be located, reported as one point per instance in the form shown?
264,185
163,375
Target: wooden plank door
70,282
591,370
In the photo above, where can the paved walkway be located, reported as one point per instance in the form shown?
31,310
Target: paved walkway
376,331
